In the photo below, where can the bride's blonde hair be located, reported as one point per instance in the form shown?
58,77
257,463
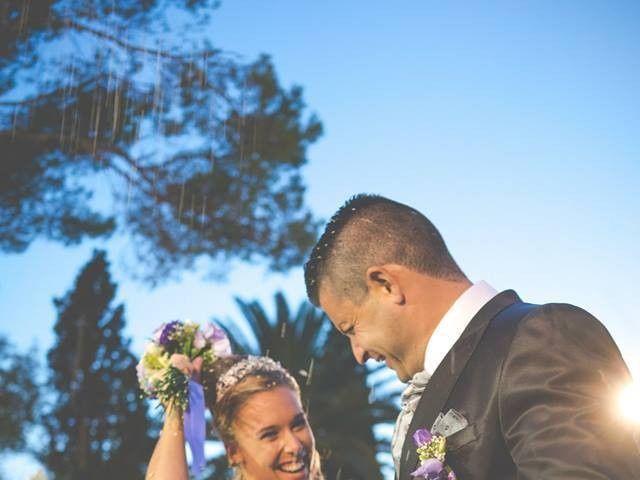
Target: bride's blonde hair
225,398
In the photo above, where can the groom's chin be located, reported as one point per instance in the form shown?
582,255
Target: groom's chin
401,372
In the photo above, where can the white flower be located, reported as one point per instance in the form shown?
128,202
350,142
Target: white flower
158,332
155,357
199,340
221,347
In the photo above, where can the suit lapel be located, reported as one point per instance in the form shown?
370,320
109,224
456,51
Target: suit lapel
444,378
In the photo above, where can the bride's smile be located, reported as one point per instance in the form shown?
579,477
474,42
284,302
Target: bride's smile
273,438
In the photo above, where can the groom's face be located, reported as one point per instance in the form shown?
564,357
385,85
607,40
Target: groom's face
373,327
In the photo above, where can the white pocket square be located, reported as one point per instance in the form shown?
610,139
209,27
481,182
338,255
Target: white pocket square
449,424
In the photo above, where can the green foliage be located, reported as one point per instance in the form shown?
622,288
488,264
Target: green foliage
343,405
96,422
18,395
35,200
203,151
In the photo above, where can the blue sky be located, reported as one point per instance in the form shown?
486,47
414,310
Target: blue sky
514,126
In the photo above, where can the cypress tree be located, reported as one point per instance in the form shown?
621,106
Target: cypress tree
97,423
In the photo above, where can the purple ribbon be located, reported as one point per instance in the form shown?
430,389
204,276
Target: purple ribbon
194,426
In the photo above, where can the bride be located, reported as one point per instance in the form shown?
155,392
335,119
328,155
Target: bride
256,408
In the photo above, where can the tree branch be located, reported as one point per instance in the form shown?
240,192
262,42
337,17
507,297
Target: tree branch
85,146
67,23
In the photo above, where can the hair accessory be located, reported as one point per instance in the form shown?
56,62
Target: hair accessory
244,367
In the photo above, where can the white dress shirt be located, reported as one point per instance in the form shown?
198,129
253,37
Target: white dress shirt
455,321
443,338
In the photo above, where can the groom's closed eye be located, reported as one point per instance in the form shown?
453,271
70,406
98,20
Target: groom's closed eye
346,331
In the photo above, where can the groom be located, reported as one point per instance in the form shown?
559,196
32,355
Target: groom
527,391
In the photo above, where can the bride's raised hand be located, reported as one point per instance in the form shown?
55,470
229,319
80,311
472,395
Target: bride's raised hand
191,368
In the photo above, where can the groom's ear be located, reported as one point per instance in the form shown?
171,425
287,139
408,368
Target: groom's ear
384,282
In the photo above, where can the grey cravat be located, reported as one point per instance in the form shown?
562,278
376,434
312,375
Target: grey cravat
408,403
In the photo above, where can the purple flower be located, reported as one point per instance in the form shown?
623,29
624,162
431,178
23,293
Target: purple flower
213,333
430,469
167,331
218,340
422,437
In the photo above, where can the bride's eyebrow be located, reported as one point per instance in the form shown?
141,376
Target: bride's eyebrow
299,417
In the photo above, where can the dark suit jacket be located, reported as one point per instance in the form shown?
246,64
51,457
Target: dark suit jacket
538,386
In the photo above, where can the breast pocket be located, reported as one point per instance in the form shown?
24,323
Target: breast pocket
462,438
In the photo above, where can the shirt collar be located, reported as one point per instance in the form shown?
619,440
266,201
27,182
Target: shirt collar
454,322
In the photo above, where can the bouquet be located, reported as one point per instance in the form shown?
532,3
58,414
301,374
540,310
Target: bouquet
169,370
159,372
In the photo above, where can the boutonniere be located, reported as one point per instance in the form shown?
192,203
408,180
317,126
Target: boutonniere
432,446
431,449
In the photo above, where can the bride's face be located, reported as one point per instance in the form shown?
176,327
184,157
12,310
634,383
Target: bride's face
273,438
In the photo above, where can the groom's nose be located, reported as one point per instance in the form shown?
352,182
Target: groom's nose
359,353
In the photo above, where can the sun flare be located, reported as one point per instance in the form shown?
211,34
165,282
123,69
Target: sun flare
629,402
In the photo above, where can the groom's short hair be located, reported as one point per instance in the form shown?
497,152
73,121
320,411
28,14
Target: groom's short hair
373,230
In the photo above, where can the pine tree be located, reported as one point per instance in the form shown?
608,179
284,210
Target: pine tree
203,151
97,423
